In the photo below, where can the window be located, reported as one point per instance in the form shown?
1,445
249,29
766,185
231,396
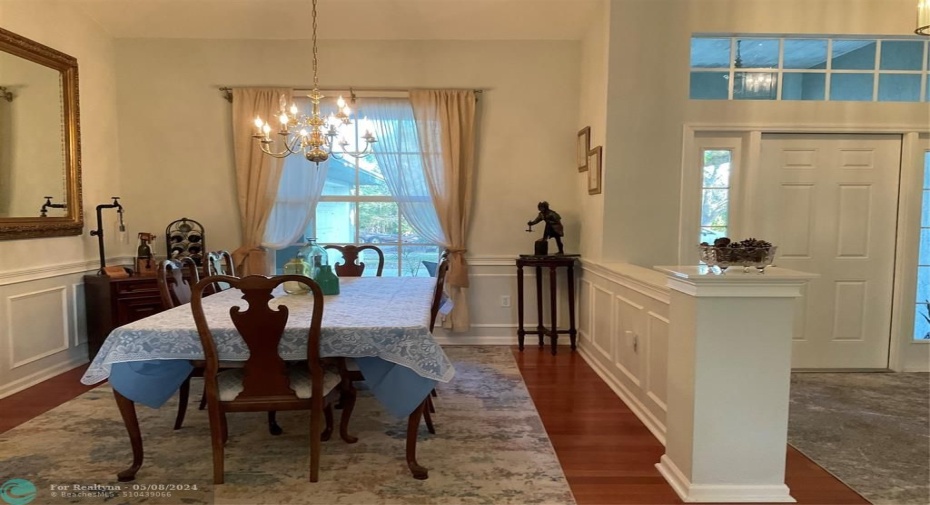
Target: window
922,312
357,207
825,68
715,194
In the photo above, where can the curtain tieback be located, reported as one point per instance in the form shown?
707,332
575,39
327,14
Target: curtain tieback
456,250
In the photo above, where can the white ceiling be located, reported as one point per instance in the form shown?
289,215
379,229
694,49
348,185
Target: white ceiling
345,19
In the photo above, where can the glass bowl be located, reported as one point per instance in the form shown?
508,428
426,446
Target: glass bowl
746,257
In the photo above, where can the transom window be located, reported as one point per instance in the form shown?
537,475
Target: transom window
814,68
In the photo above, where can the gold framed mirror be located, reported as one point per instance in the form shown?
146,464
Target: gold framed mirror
40,146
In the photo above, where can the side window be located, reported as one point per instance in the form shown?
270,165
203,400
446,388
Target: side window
922,312
715,194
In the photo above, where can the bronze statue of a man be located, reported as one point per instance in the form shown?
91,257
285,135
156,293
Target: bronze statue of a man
553,222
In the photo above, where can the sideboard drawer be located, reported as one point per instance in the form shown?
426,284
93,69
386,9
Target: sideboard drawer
140,286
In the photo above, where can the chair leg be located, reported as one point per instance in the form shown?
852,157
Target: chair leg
273,427
217,441
328,416
433,393
182,403
316,425
427,417
203,398
429,405
224,427
347,397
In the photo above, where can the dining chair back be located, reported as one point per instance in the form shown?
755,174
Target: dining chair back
173,287
439,294
351,265
175,290
267,382
220,263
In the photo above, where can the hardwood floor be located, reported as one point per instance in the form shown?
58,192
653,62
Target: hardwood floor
20,407
607,454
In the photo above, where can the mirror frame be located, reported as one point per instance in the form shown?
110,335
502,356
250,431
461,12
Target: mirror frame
13,228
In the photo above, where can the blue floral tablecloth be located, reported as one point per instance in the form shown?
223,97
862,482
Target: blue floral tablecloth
373,317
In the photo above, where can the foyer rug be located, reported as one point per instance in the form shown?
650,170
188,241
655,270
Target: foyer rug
490,447
870,430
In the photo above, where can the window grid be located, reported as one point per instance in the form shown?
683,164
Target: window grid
828,71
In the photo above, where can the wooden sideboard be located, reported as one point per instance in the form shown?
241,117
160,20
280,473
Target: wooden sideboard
111,303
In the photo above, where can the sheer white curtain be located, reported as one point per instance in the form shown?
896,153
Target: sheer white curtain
400,161
298,193
426,154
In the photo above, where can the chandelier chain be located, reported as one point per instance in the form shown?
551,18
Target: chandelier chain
316,83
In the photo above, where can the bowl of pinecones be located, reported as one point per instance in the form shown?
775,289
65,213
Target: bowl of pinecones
749,253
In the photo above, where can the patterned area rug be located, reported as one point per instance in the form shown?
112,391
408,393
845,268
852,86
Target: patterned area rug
490,447
870,430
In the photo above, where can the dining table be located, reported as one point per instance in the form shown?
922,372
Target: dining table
381,322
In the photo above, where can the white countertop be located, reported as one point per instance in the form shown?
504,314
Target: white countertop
703,273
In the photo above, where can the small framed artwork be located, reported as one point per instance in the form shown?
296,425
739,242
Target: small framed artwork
594,170
582,148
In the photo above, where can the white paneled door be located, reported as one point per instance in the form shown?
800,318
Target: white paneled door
830,204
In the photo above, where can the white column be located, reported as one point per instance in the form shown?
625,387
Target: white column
729,372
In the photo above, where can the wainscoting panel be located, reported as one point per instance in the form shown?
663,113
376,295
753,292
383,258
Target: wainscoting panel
42,324
42,316
627,340
493,283
602,322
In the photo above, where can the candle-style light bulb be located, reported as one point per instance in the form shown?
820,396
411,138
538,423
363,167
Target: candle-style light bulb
283,118
266,129
340,102
293,109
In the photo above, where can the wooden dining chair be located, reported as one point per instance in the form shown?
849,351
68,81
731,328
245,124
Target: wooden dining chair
175,289
351,265
266,382
439,297
220,263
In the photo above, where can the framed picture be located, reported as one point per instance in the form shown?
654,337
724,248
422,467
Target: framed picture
594,170
582,148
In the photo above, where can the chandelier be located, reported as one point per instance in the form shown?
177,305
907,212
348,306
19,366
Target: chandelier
311,135
757,84
923,17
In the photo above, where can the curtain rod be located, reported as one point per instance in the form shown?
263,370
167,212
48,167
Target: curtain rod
227,90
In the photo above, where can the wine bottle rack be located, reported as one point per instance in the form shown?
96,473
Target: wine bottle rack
185,239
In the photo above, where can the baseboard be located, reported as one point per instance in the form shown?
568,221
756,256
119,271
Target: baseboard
640,410
453,339
43,375
722,493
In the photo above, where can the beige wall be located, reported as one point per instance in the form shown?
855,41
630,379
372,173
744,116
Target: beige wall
175,127
593,112
67,30
42,329
648,101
